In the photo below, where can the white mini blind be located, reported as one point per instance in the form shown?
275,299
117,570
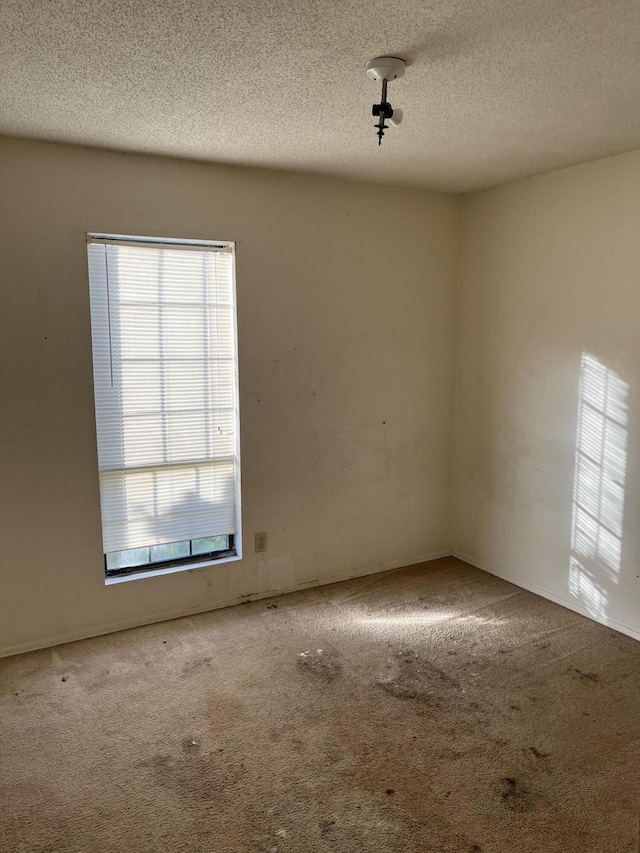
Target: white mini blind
165,376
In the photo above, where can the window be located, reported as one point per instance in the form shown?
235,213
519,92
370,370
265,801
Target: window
163,323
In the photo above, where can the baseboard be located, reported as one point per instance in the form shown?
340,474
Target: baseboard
87,633
111,628
543,593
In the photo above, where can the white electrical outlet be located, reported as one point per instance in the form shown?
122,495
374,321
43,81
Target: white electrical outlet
261,542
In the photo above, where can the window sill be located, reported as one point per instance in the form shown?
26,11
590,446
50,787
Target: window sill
169,570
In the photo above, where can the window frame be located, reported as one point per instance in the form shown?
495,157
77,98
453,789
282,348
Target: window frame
234,551
192,561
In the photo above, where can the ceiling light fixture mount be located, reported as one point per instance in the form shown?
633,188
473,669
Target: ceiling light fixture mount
385,69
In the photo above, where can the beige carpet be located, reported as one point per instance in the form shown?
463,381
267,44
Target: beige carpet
434,708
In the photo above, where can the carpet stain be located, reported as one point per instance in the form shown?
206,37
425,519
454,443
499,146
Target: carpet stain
193,775
326,826
515,796
224,712
321,663
195,666
586,675
415,677
538,753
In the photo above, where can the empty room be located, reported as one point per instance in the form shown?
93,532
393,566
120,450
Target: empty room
319,426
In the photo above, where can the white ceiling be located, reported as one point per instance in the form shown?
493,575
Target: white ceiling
496,89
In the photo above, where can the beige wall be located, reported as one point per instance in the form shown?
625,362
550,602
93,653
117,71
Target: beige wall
346,330
547,453
347,380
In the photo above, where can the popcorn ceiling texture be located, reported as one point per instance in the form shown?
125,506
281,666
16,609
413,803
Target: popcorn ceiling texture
496,90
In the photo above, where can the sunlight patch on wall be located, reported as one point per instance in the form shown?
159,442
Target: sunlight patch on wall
599,485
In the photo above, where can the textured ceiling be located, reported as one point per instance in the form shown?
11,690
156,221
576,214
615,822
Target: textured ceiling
496,89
